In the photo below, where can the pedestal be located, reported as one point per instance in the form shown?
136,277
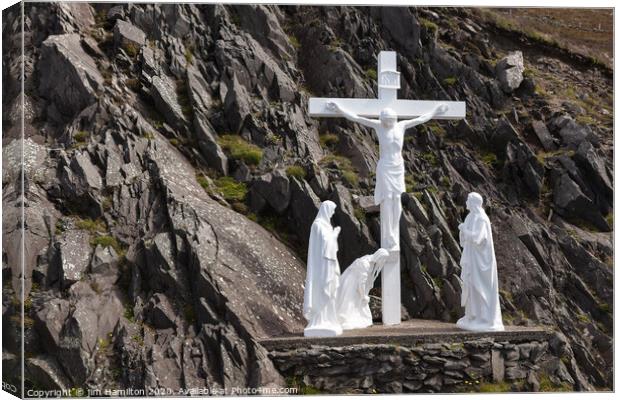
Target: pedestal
390,290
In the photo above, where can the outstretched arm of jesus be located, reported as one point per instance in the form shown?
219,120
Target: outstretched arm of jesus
371,123
440,109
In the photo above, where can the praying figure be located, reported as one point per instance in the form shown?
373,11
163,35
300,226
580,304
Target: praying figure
352,304
390,173
478,271
322,276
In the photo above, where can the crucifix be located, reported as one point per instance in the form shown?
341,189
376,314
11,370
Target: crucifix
390,174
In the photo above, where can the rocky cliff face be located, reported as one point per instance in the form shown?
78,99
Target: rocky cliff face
171,176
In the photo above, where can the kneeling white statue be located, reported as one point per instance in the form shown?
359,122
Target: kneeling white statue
322,276
478,271
352,304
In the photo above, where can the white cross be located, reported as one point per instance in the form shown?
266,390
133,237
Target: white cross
388,81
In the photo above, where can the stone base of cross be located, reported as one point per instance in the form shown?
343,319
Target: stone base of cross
388,85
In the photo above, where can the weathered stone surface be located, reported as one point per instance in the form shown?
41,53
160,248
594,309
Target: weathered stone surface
73,256
47,373
164,94
509,71
542,133
126,35
70,79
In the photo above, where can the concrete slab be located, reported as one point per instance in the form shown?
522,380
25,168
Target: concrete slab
409,333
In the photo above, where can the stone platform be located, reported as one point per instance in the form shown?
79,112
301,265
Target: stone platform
408,333
421,356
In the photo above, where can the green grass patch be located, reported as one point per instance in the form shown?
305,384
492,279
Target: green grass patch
294,42
450,81
430,158
230,189
238,149
371,73
489,159
429,25
108,241
81,137
329,139
92,226
131,49
296,171
546,385
344,166
494,387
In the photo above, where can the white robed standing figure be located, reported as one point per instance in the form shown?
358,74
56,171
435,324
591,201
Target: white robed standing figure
352,304
480,295
322,276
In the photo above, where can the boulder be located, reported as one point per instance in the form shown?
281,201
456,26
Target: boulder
127,36
163,90
69,77
45,371
542,133
209,147
160,312
73,256
49,321
571,202
523,169
272,188
509,71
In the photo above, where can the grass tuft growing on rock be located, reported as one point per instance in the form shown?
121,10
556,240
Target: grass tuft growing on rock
546,385
238,149
371,73
108,241
231,189
329,139
344,166
450,81
92,226
81,137
428,25
296,171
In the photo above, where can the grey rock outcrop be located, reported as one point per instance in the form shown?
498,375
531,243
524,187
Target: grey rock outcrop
509,71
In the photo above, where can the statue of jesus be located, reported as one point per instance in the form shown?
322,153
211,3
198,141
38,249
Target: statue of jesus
390,174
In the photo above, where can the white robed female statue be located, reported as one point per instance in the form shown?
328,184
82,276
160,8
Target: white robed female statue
322,276
352,304
478,271
390,174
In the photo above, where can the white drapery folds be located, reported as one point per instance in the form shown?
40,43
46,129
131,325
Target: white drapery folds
322,276
353,301
479,271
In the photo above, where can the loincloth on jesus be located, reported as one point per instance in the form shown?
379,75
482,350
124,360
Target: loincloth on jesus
390,179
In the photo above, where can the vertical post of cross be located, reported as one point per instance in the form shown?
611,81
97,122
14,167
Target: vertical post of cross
388,83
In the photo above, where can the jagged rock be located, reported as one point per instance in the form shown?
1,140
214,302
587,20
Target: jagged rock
160,312
263,24
126,35
572,133
63,56
86,174
164,94
541,131
570,201
210,149
594,168
367,203
46,372
236,103
73,256
306,206
93,317
523,168
509,71
273,189
49,321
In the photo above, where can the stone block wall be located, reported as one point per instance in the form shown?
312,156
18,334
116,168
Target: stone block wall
475,365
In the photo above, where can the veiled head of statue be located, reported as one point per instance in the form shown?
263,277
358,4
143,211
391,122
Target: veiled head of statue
474,201
326,210
380,255
388,117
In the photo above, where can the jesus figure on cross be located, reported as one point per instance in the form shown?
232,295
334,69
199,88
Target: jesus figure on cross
390,174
